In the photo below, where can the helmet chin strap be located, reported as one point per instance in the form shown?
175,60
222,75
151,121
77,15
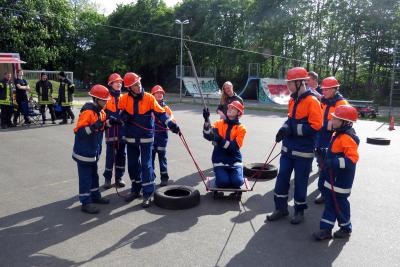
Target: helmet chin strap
298,85
343,124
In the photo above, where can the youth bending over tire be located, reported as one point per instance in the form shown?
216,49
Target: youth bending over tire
227,97
227,137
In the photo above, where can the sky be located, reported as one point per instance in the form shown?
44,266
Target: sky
107,6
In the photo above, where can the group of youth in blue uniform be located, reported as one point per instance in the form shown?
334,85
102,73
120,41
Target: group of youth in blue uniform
318,124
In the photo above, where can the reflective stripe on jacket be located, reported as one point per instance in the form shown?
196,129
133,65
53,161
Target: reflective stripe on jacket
6,97
161,134
328,106
342,157
137,112
115,132
87,146
232,133
304,121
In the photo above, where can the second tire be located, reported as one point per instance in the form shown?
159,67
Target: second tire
268,172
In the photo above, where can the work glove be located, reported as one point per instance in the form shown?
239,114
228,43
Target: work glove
283,132
174,128
216,137
206,114
114,121
97,126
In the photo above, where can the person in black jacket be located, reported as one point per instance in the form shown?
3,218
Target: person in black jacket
22,87
65,97
44,90
227,97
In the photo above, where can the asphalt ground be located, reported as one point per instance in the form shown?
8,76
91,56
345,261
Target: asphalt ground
41,223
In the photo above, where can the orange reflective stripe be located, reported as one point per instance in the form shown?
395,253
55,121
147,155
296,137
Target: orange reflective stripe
169,112
308,107
111,105
314,113
346,145
86,118
122,102
147,103
238,132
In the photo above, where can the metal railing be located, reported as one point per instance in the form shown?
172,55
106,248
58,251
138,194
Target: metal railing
51,75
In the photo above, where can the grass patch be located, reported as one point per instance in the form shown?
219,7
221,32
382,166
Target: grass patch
56,85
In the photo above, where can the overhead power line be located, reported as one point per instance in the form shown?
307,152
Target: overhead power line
178,38
35,13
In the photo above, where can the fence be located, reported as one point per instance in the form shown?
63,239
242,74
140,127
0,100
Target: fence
51,75
201,71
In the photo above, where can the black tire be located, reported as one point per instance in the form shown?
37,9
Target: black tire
176,197
378,141
269,172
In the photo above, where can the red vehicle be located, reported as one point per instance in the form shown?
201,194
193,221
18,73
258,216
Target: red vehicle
365,109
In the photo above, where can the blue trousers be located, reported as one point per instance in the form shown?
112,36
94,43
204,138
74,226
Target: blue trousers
24,109
229,177
321,155
331,215
140,168
115,154
88,182
301,167
162,160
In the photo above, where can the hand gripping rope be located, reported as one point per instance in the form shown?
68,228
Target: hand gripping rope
116,146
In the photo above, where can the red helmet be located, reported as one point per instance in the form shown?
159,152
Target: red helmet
239,106
99,91
297,73
329,82
115,77
156,89
346,113
131,78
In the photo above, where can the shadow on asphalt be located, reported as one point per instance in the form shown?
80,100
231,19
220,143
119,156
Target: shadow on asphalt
172,221
280,243
25,234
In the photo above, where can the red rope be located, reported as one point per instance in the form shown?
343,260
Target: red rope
257,174
201,173
335,202
148,129
115,147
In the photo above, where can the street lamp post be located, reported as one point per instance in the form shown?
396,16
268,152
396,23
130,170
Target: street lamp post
180,66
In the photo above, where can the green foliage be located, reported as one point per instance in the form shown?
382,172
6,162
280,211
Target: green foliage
352,40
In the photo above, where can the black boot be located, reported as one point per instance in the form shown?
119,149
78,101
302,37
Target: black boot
132,196
120,183
323,234
63,122
101,201
342,233
163,183
164,179
89,208
146,202
298,217
276,215
107,184
319,199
